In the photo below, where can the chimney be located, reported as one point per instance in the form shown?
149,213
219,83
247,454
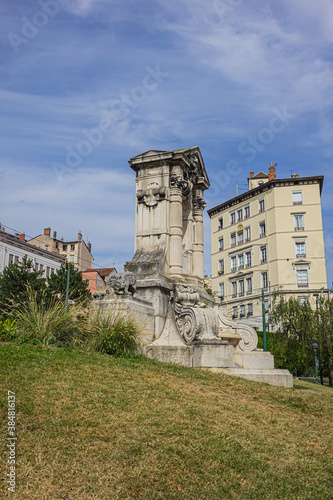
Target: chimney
79,236
294,176
47,231
22,237
54,235
271,172
251,174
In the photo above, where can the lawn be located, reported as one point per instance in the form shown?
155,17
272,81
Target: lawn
94,426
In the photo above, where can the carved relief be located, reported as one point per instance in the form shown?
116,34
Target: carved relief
194,321
249,336
151,196
122,284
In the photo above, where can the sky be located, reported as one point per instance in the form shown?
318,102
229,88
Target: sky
87,84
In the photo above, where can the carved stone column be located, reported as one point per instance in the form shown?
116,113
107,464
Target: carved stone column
198,244
176,225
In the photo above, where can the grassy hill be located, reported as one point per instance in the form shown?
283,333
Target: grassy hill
92,426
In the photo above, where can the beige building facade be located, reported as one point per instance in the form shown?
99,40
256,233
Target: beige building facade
77,251
268,238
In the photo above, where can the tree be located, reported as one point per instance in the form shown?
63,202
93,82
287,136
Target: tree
296,327
78,289
14,281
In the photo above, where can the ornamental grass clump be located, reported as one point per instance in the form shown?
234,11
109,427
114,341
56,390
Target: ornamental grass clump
113,332
46,322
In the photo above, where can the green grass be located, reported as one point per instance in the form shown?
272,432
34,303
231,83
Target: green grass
93,426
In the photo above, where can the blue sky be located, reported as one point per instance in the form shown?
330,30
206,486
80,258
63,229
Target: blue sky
156,75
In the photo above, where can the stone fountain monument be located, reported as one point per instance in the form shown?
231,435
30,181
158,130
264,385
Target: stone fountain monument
162,286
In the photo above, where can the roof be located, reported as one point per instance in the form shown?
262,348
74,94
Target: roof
102,271
294,181
260,175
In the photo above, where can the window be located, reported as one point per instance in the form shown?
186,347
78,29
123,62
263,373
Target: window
241,261
302,300
248,257
220,223
302,277
233,264
87,281
11,258
297,197
261,206
233,239
221,290
36,266
47,272
300,249
247,212
242,311
52,270
57,245
232,218
263,255
17,260
72,248
235,312
240,238
41,267
262,229
221,244
71,258
234,289
247,234
239,214
221,266
250,309
64,247
264,280
248,286
241,288
299,222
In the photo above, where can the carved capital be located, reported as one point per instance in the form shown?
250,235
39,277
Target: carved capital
199,203
178,181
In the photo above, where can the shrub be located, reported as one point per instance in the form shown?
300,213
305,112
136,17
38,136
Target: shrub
7,330
111,332
45,322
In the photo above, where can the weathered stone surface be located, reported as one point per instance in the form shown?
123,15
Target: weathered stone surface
177,355
213,355
281,378
254,360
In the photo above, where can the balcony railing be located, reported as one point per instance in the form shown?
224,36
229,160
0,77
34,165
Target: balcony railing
240,242
303,285
300,228
263,260
233,243
249,264
261,210
297,202
248,239
233,269
220,272
241,294
249,292
262,235
241,266
234,295
300,255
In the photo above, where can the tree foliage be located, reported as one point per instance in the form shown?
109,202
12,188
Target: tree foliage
78,289
14,281
297,326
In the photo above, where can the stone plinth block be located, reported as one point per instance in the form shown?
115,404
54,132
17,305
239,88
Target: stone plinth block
254,360
213,355
282,378
177,355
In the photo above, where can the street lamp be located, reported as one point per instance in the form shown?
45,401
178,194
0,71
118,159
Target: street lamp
315,348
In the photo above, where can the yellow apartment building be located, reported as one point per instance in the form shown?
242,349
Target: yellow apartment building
268,238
